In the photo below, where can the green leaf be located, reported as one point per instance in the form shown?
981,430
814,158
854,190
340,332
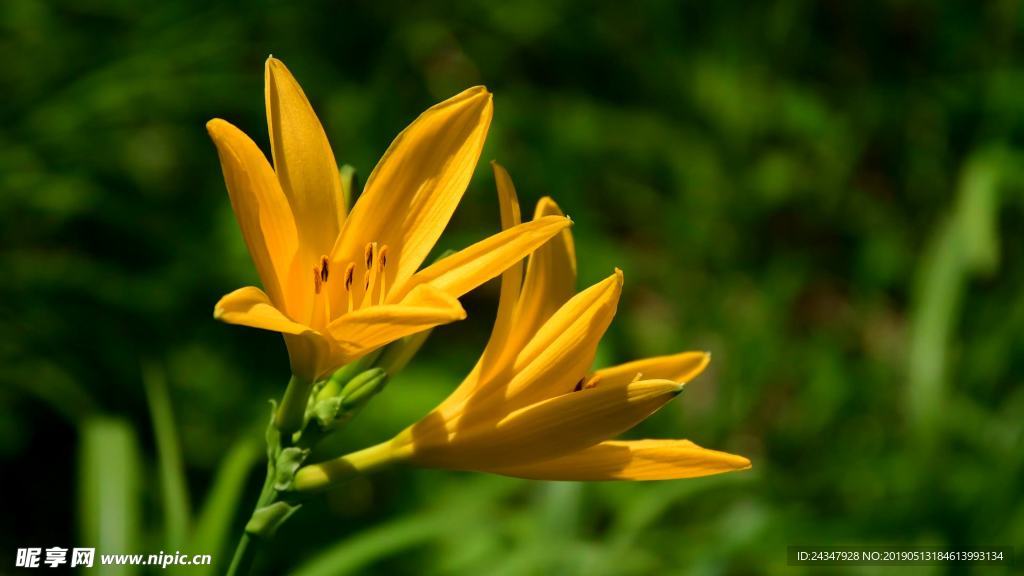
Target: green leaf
216,518
172,470
109,490
965,243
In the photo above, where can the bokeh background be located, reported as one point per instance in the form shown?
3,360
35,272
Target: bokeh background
826,195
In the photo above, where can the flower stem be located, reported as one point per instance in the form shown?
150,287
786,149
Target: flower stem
246,550
293,407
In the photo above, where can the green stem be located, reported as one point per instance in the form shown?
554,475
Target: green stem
292,411
246,550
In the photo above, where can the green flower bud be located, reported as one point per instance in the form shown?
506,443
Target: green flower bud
360,389
399,353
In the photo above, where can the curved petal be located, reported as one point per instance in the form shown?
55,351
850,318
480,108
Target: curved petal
308,350
310,355
681,368
476,264
304,162
560,354
512,278
412,193
511,283
550,281
552,364
540,431
251,307
260,206
361,331
632,460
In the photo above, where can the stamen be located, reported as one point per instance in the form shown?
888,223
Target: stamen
370,276
323,268
318,282
321,273
368,254
383,258
586,383
350,271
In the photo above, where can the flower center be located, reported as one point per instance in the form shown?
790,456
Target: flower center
373,287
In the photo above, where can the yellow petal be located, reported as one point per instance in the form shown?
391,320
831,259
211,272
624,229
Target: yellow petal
250,306
260,206
680,368
511,279
359,332
310,355
552,364
541,431
308,350
560,354
632,460
304,162
476,264
550,280
412,193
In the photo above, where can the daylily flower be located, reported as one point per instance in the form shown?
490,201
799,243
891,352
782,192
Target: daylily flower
338,285
530,408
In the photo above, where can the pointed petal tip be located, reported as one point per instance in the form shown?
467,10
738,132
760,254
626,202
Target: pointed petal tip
619,276
273,63
705,360
216,126
477,96
642,389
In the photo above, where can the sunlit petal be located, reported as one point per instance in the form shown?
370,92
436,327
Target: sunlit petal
540,431
681,368
412,193
550,279
260,206
304,162
362,331
476,264
632,460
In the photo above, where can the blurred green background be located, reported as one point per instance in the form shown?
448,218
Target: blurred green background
826,195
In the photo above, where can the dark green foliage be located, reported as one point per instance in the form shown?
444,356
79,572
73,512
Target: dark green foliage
826,195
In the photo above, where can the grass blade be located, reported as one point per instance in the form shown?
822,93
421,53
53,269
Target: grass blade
172,471
109,491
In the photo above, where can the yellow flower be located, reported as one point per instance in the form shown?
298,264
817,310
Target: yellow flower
338,285
530,408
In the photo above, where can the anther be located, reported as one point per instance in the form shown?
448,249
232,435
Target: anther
350,270
383,258
318,282
323,268
368,253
